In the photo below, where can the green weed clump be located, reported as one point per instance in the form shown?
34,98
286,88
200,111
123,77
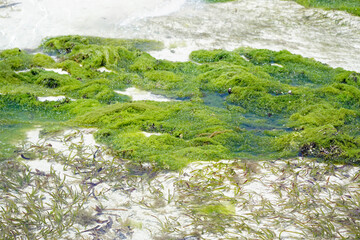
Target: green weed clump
350,6
65,44
248,103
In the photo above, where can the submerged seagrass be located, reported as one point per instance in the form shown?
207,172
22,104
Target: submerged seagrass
280,105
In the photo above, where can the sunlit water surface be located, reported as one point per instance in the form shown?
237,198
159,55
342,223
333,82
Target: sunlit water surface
331,37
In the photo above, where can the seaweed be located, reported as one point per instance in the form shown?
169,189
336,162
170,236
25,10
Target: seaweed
246,103
350,6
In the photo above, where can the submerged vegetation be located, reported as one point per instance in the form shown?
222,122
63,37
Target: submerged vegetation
246,103
350,6
88,194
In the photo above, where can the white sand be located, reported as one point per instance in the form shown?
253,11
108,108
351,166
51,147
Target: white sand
51,98
104,69
141,95
148,134
57,70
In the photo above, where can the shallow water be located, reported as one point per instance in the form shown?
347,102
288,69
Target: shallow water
276,196
328,36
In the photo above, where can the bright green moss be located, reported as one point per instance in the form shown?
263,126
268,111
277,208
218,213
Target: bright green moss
276,104
65,44
143,63
94,56
42,60
54,80
76,70
222,78
155,117
350,6
295,69
190,132
62,45
16,59
80,106
205,56
162,80
99,90
319,115
8,77
131,44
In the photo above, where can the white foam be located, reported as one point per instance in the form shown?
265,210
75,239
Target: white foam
277,65
103,69
57,70
141,95
245,58
149,134
51,98
180,54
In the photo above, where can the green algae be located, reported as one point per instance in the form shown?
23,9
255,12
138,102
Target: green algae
350,6
246,103
65,44
15,59
42,60
179,143
218,209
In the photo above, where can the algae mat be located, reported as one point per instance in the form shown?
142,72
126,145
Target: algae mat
246,103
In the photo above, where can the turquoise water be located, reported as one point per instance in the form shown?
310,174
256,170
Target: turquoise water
14,123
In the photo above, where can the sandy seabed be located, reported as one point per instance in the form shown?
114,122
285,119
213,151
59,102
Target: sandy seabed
285,199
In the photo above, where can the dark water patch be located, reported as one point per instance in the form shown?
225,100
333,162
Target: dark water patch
260,123
214,99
